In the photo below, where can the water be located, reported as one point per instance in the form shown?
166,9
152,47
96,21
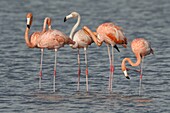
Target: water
19,65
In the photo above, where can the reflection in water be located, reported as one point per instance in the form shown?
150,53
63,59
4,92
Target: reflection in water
93,95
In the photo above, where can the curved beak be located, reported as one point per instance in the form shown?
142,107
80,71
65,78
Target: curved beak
28,22
67,17
126,75
28,26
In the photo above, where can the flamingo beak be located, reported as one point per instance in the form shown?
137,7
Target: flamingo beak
65,19
28,22
28,26
126,75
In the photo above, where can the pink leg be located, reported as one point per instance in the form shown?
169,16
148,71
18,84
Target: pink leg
40,73
79,71
55,70
85,51
141,71
110,66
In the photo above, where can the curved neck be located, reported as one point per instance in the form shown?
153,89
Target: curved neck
93,36
29,44
46,20
44,25
138,57
75,26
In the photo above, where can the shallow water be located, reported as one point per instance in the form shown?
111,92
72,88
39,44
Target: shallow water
19,65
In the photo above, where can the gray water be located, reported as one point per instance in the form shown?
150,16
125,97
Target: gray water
19,64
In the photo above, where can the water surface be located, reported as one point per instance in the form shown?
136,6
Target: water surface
19,64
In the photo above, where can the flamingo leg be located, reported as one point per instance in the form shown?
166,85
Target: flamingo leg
85,51
40,73
112,68
79,70
55,70
110,65
141,72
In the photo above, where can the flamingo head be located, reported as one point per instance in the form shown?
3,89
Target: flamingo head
126,75
49,23
124,69
29,17
71,15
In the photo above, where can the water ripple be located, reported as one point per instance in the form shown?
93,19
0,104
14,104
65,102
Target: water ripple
19,66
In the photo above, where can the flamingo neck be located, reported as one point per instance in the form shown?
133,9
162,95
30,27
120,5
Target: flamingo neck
75,27
45,23
138,57
92,34
29,44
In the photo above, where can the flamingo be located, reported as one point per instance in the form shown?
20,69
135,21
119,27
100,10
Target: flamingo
112,35
82,39
31,41
140,47
53,39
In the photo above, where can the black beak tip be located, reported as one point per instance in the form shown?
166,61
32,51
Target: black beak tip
28,26
127,77
65,19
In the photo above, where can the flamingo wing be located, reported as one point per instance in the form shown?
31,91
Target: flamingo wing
82,39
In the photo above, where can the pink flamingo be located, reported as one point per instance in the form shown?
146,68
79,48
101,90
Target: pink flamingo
53,39
82,39
31,41
140,47
112,35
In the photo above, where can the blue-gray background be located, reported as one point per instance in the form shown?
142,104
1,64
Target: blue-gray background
19,65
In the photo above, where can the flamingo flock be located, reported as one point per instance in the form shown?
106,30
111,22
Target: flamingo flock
108,32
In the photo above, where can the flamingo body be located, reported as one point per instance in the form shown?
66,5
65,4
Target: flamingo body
82,39
141,46
111,34
55,39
